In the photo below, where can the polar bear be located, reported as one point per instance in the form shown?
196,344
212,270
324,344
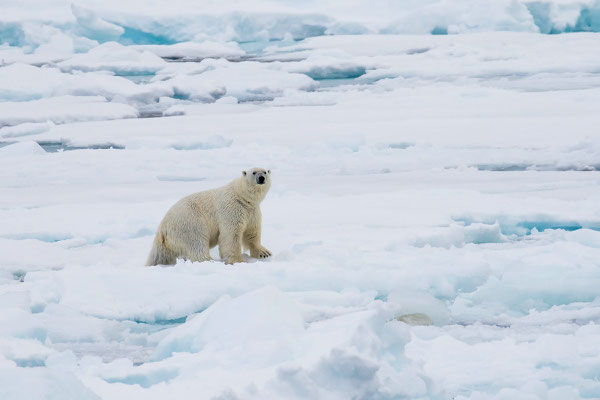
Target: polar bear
228,216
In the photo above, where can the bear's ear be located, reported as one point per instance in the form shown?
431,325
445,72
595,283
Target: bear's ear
244,173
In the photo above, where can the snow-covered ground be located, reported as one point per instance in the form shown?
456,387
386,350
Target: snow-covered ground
434,215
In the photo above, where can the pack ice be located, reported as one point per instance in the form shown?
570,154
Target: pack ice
434,214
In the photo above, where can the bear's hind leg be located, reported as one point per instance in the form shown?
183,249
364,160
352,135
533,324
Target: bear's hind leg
161,254
198,250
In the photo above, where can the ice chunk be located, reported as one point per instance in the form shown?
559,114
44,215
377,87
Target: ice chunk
326,67
587,237
197,88
20,149
112,56
246,81
16,322
25,129
26,82
195,50
64,109
94,27
42,384
265,314
455,235
24,352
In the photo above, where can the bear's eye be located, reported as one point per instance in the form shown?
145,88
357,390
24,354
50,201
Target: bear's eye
254,173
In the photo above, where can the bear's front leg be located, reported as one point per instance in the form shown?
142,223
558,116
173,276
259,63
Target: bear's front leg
252,242
230,246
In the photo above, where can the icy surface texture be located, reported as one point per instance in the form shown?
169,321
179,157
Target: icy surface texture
434,216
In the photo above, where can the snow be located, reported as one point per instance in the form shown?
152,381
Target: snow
434,216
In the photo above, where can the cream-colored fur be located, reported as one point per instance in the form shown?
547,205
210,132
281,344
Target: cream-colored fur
228,216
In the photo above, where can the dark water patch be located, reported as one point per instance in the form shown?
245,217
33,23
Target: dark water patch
381,296
418,50
4,144
139,326
151,114
19,275
334,72
29,363
400,145
255,99
541,226
164,322
583,168
271,58
148,379
51,146
11,34
508,167
329,83
503,167
141,78
180,95
439,30
186,59
526,227
56,146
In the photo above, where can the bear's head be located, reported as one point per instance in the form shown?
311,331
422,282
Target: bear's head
258,178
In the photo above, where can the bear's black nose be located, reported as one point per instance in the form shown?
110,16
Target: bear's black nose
260,180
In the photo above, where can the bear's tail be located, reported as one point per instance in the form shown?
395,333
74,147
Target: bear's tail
160,254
